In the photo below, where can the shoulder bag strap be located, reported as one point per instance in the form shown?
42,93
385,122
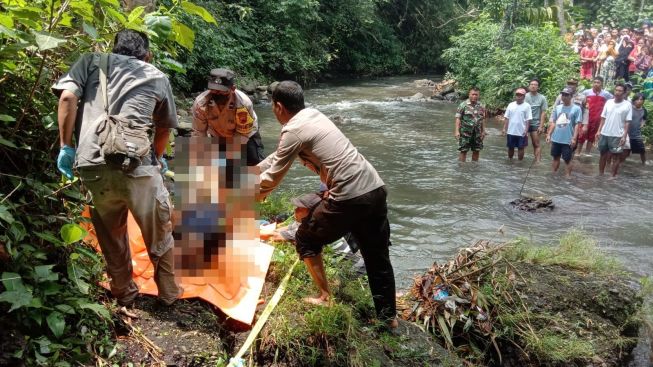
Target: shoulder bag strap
104,65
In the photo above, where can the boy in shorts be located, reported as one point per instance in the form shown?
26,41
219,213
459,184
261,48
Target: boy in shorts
563,131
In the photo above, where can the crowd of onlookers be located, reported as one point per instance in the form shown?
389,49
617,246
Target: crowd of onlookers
613,53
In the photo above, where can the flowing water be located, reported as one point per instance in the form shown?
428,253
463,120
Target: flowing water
437,205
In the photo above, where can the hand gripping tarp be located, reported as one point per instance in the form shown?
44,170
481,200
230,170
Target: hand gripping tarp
237,296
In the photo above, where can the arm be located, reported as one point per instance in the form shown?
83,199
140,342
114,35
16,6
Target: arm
161,136
279,163
552,126
66,114
506,118
456,132
483,125
598,132
200,120
625,136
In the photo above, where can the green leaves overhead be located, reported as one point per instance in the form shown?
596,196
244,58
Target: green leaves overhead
46,41
199,11
183,35
160,26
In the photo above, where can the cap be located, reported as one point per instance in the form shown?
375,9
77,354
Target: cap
221,79
567,90
272,87
572,81
306,201
628,85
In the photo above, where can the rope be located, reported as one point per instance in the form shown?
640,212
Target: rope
237,360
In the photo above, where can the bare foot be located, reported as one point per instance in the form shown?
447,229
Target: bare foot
322,300
393,324
124,311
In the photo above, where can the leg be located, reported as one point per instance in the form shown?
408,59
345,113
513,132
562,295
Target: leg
462,156
617,158
315,266
475,155
537,149
520,153
109,217
150,205
373,235
555,164
642,156
568,168
603,160
511,153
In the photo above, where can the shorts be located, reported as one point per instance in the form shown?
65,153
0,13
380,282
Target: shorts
470,141
562,150
515,141
533,128
610,143
637,146
592,129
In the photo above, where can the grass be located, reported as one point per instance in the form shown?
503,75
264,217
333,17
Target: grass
559,348
575,250
276,204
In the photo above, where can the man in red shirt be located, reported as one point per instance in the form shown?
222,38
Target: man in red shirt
587,58
595,99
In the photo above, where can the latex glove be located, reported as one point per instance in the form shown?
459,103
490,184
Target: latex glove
164,165
66,160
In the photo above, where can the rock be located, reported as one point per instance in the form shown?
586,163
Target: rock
417,96
424,83
447,89
451,97
437,97
262,88
248,86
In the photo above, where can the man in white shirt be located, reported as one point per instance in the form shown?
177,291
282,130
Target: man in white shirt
613,131
517,118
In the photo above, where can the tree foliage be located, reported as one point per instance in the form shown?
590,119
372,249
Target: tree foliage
48,297
531,52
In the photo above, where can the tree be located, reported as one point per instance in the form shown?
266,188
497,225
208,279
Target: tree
561,17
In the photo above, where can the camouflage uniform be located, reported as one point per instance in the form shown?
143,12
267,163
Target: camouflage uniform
471,126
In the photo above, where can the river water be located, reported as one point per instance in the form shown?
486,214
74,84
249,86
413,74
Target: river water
437,205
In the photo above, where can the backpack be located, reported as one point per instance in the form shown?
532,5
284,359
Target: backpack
122,142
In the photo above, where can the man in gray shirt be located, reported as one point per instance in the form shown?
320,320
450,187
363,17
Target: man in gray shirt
355,201
140,93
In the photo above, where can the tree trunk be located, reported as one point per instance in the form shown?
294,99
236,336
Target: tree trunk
561,17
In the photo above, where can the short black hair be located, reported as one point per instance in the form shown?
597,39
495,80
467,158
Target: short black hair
129,42
290,94
639,96
475,89
599,78
535,80
620,84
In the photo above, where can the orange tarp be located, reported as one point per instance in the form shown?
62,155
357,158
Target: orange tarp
236,293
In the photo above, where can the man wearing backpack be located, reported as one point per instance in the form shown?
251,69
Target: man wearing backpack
224,111
140,95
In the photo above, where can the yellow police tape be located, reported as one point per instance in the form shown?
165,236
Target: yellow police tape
237,360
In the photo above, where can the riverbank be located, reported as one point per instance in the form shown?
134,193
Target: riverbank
567,305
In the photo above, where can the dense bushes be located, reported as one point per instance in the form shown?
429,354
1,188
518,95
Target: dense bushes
49,308
478,58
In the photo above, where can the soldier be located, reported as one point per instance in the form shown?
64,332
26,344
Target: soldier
470,126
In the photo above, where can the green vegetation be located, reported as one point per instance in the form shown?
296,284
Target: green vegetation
342,334
559,305
576,250
49,297
498,63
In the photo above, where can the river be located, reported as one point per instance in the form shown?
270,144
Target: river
437,205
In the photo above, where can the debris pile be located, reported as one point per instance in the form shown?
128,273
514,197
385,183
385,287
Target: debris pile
533,203
451,299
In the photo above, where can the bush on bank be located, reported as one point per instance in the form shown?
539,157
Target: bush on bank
498,62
